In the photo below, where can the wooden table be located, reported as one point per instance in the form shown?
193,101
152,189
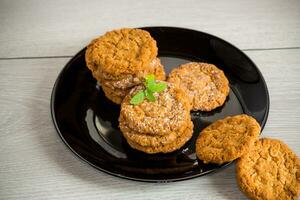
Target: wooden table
37,38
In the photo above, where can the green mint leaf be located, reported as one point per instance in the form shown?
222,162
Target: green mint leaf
150,95
149,79
138,98
157,87
151,87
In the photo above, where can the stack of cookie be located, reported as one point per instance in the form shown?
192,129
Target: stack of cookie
120,59
157,126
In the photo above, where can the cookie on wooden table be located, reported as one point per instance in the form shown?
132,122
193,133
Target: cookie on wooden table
227,139
270,170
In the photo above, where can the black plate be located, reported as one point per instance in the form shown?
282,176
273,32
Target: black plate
88,122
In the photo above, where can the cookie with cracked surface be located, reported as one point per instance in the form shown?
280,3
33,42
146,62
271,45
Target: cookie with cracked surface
167,148
125,81
147,140
270,170
227,139
116,92
168,113
112,96
205,84
121,51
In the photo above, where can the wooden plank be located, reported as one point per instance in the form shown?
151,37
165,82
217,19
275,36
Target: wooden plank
52,28
35,164
281,71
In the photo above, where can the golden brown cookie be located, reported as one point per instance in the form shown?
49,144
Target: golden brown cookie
169,112
157,69
115,92
125,81
205,84
112,96
147,140
227,139
121,51
167,148
270,170
120,60
163,125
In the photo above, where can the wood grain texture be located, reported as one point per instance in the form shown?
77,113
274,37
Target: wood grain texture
35,164
51,28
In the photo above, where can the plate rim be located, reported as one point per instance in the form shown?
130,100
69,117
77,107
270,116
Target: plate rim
66,66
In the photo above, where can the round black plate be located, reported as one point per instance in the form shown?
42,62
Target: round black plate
88,122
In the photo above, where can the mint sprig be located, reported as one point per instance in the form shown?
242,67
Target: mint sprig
151,88
138,98
149,95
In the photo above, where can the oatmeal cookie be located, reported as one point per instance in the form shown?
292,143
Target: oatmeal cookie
121,51
157,69
117,99
227,139
117,92
147,140
120,59
167,148
168,113
205,84
125,81
270,170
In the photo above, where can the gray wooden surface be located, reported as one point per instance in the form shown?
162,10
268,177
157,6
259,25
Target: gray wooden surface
37,38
